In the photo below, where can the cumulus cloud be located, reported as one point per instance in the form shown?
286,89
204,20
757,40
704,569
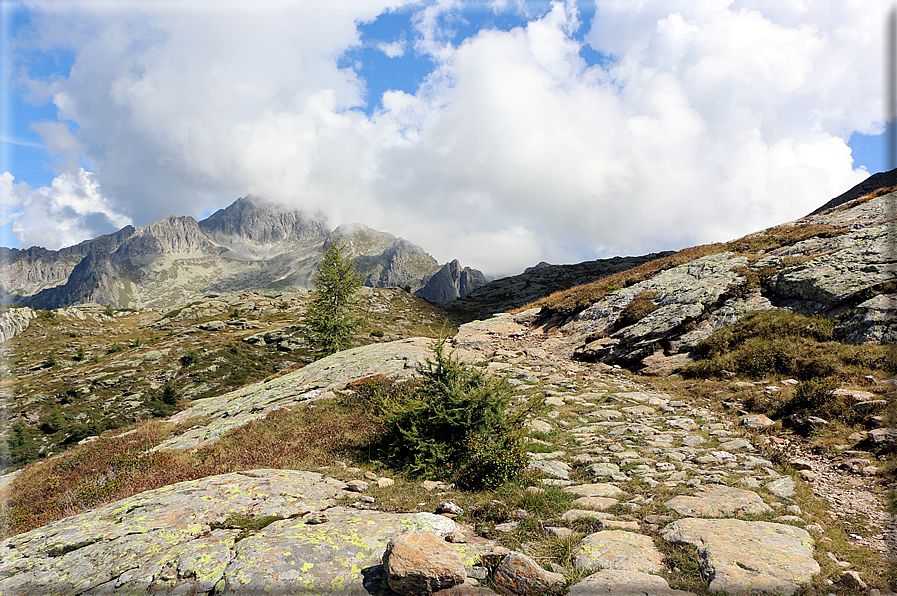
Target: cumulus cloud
710,119
68,211
395,49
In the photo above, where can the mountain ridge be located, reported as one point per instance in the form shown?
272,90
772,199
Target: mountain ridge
251,244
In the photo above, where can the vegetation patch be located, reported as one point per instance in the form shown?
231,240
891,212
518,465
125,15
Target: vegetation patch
784,344
640,307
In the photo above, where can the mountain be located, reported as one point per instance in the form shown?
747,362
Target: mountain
450,282
250,244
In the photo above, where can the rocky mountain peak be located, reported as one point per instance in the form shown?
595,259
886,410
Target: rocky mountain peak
250,218
450,282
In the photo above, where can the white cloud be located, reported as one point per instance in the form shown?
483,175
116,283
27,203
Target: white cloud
395,49
716,118
68,211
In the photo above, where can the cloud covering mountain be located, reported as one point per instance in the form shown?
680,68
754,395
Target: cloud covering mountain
623,129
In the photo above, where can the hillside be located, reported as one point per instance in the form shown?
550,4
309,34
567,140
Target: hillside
718,420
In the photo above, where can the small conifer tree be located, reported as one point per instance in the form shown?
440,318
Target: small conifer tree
332,320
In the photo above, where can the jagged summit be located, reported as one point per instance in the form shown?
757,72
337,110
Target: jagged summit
252,219
251,244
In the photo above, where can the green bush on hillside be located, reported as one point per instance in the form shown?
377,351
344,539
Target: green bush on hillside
454,423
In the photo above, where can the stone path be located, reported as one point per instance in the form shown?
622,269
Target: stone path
631,448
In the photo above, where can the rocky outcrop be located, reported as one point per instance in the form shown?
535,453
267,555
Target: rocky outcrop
841,265
450,282
744,557
236,408
539,281
191,538
14,321
679,296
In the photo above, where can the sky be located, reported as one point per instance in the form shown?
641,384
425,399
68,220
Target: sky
500,133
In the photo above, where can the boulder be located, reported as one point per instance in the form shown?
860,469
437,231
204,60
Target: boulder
421,563
519,574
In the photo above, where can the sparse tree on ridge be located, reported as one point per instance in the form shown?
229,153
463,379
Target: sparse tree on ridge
332,319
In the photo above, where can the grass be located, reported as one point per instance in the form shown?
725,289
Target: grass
783,344
116,467
119,386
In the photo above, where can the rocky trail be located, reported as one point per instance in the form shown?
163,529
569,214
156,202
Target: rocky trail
656,480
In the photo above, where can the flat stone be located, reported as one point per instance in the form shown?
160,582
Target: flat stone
686,424
854,395
639,411
719,500
540,426
560,532
741,557
782,487
597,503
736,445
604,469
601,489
574,514
618,549
617,582
613,523
551,467
757,422
693,440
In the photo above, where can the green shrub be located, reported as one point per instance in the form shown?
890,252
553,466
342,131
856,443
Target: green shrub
455,413
169,395
69,395
189,359
79,354
116,348
491,459
50,362
52,422
377,333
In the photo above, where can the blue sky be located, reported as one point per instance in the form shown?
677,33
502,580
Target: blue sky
500,133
